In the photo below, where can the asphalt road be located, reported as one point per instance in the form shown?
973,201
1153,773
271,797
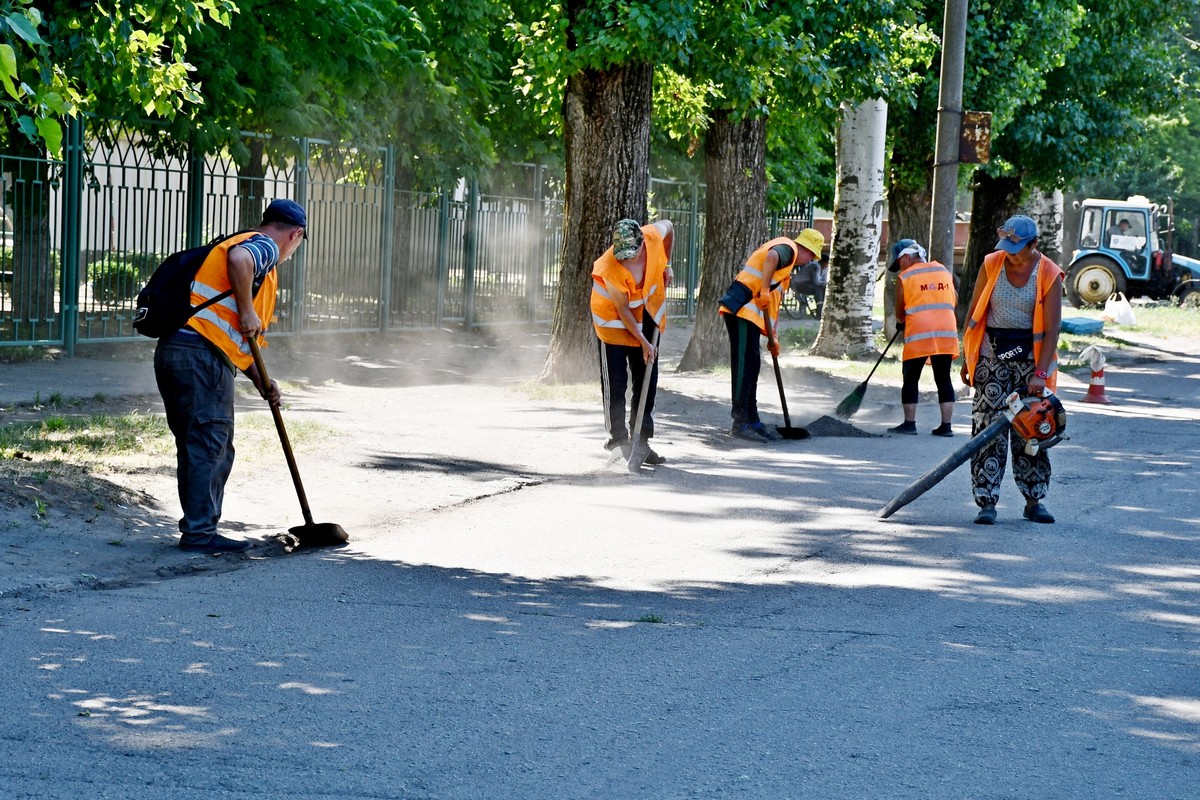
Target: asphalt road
740,623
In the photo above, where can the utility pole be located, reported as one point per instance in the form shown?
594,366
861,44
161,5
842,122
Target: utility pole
949,127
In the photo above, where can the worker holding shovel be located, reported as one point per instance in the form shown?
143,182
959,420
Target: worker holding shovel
629,309
750,308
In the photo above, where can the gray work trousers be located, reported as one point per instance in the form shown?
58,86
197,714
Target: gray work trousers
196,384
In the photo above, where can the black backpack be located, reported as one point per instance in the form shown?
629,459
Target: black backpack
164,305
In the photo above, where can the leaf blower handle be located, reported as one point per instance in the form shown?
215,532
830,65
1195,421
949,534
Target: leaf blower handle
283,437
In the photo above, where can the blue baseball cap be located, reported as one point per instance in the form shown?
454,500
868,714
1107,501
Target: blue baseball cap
288,212
1016,234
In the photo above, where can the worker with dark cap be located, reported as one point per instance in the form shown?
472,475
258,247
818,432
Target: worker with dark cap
629,283
925,301
194,367
756,294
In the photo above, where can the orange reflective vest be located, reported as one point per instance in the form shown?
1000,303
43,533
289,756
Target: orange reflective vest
650,295
751,276
1048,273
930,327
219,322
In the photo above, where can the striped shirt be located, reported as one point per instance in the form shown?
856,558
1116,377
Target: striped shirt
264,252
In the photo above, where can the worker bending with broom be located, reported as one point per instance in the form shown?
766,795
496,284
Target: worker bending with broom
194,367
925,301
1011,345
750,308
629,306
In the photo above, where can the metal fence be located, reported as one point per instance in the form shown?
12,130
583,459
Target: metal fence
81,235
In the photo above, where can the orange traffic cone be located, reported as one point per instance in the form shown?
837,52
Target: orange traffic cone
1095,392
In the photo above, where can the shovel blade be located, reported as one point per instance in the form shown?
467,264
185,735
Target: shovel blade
792,433
319,534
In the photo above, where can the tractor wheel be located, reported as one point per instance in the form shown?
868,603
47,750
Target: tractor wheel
1093,280
1189,297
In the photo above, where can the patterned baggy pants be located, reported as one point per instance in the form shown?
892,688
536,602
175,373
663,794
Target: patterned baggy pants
994,381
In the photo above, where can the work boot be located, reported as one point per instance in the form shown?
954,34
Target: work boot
942,430
652,458
986,515
744,430
1037,512
908,428
213,544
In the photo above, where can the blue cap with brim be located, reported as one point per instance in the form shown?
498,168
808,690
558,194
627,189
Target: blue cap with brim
1016,234
288,212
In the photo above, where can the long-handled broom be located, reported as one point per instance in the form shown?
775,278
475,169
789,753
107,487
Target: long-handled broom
849,407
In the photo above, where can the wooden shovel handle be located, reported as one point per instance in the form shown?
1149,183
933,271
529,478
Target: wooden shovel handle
283,437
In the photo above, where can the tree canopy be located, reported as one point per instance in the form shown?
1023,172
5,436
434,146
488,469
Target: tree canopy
59,58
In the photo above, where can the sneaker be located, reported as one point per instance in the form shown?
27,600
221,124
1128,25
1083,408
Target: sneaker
986,515
1037,512
214,544
749,433
765,432
943,430
652,458
909,428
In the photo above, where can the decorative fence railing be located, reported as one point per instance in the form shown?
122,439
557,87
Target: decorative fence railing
81,235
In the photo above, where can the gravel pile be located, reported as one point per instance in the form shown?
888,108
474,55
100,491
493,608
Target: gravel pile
831,426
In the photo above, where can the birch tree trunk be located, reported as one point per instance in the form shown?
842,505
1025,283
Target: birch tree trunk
1046,208
606,125
735,224
846,327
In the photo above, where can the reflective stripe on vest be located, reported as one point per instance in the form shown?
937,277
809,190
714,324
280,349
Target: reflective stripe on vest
1048,273
219,322
751,275
650,296
930,327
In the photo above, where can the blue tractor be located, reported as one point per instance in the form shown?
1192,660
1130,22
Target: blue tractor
1125,246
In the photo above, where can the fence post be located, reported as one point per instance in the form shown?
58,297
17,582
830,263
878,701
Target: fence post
443,257
693,234
72,212
300,258
195,200
470,253
389,235
533,277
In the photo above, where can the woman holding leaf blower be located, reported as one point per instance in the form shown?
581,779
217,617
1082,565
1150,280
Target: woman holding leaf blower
1011,345
750,308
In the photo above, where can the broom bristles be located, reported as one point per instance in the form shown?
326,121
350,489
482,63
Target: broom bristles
849,407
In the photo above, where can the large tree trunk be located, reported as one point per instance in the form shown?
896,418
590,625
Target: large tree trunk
846,326
909,211
735,224
993,201
606,126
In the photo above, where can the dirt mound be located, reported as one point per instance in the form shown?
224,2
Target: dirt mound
831,426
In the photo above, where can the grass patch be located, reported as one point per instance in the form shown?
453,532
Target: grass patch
98,435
